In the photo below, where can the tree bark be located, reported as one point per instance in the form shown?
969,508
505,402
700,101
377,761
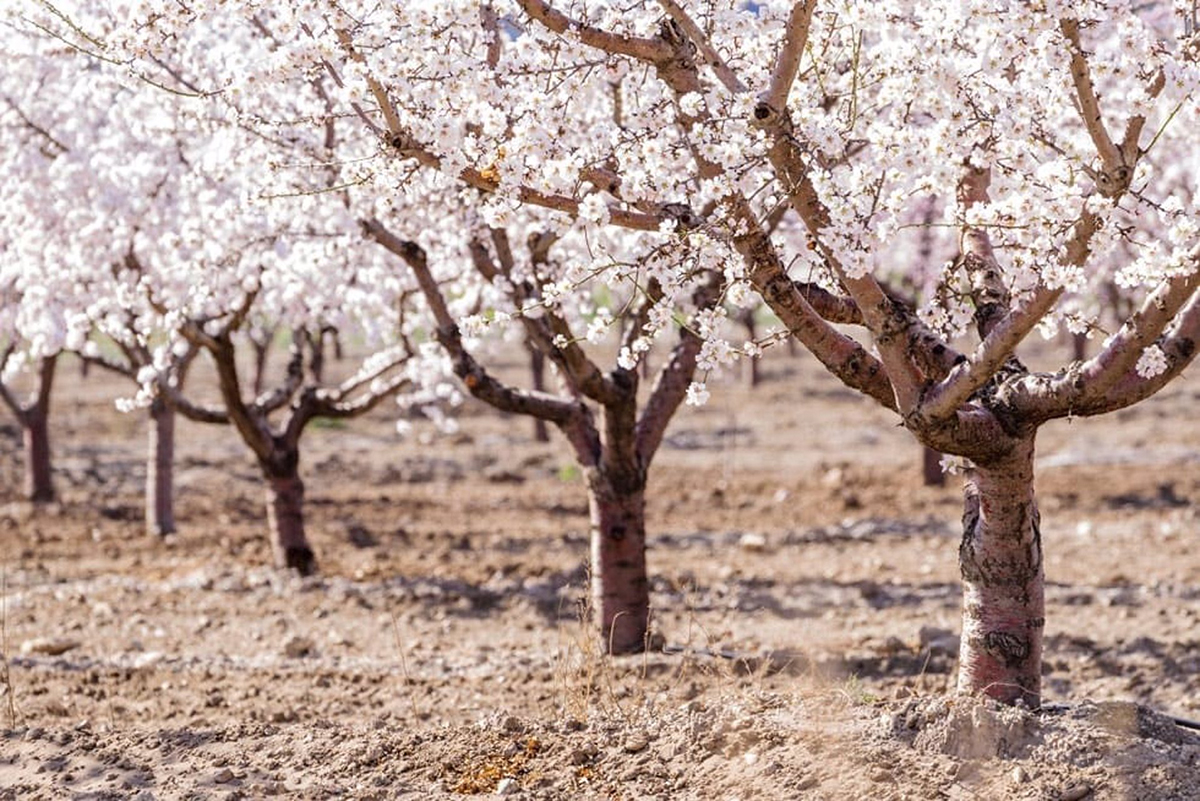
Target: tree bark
537,369
931,467
620,587
160,470
1003,582
39,483
1079,346
746,318
35,419
285,517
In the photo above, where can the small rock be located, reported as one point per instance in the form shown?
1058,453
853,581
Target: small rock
752,542
50,646
360,536
584,755
636,742
499,475
1075,792
297,646
223,775
507,786
1019,775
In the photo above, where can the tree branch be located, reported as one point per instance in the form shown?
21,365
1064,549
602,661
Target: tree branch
251,426
988,292
1089,104
674,377
194,411
278,397
650,50
787,61
709,53
477,381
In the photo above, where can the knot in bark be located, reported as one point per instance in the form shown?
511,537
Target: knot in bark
765,115
1114,182
400,141
1011,649
778,290
682,214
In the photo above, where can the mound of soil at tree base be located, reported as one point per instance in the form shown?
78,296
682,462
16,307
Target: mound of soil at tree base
751,745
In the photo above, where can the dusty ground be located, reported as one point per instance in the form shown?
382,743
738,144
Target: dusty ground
804,582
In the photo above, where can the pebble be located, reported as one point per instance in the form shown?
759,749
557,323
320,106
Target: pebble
636,742
223,775
297,646
1019,775
50,646
1075,792
752,542
507,786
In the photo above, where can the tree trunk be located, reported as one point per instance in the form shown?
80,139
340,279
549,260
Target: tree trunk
1003,582
931,467
620,588
1079,346
285,517
537,367
35,420
746,317
160,470
39,484
260,365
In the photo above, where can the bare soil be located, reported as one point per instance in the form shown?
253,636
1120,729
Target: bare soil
804,585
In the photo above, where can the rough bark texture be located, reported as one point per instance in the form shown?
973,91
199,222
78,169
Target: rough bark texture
285,516
160,470
620,588
39,483
1003,582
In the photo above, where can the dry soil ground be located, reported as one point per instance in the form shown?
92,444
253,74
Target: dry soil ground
804,583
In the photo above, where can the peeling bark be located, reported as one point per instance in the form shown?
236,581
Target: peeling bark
620,587
1003,582
160,470
285,517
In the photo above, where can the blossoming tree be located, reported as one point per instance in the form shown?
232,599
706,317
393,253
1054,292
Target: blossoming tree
147,232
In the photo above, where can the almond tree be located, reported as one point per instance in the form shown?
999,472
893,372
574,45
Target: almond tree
613,436
142,224
136,363
297,400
